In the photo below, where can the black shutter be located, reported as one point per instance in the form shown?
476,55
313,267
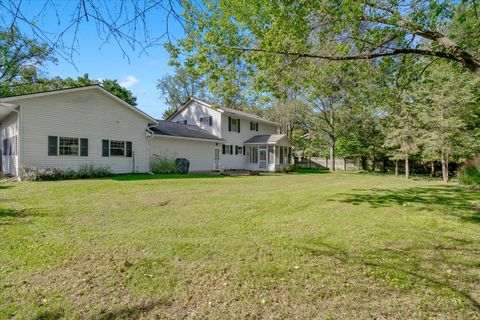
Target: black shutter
52,146
256,126
238,125
229,124
231,149
128,152
83,147
210,121
105,148
223,149
236,149
243,150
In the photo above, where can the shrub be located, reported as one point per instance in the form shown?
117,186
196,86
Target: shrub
469,174
84,172
289,168
163,164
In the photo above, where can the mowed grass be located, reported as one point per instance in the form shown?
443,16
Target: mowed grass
325,246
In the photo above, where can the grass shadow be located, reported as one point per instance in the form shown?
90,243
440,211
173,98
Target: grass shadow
129,312
452,199
11,213
378,260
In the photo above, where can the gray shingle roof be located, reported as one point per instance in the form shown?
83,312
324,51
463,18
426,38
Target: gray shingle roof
167,128
265,139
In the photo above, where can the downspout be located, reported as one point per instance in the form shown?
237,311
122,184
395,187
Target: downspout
148,149
13,107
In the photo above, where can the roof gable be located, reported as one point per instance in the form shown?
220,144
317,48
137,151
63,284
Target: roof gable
78,89
222,109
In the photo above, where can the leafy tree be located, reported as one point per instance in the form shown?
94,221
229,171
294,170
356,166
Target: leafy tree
32,83
448,109
402,132
19,56
179,87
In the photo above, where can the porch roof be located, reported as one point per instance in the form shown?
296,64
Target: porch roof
270,139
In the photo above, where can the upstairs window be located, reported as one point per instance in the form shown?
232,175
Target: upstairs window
253,126
233,124
206,121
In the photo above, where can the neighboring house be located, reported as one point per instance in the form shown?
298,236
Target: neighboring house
72,127
250,142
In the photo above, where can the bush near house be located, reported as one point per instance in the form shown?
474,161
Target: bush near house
469,174
84,172
163,164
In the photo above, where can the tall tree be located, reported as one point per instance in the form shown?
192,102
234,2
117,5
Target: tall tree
19,56
222,32
32,83
177,88
402,132
447,104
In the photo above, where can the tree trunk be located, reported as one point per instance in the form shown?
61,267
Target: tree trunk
396,168
407,168
445,169
332,156
344,164
432,169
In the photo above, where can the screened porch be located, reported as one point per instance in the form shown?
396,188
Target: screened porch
268,152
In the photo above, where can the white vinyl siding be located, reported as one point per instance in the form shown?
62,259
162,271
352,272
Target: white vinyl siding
199,153
88,114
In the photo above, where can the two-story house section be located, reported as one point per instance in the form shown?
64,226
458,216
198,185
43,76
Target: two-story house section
249,141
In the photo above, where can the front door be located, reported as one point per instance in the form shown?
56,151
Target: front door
216,158
262,158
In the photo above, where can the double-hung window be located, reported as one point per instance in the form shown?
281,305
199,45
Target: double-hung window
253,126
206,121
68,146
233,124
117,148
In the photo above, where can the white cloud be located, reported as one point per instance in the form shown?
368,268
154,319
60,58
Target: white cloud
129,81
141,91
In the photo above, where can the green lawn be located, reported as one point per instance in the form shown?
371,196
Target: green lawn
327,246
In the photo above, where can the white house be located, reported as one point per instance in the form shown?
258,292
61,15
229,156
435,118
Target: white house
250,142
88,125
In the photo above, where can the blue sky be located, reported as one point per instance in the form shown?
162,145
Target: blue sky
139,72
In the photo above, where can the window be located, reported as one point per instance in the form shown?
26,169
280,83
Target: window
52,146
206,121
253,126
9,146
281,156
117,148
238,150
271,154
252,154
227,149
182,121
68,146
233,124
